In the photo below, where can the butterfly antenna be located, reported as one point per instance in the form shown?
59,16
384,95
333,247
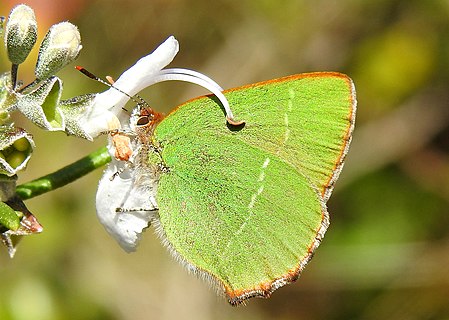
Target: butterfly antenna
142,101
110,83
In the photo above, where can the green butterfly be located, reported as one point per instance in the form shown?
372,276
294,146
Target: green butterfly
242,206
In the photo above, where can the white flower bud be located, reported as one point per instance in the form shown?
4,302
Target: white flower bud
61,45
20,33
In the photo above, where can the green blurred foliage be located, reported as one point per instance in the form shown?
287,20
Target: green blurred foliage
386,253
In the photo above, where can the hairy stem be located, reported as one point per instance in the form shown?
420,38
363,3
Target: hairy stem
14,69
64,175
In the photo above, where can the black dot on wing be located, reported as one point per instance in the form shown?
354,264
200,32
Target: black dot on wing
234,127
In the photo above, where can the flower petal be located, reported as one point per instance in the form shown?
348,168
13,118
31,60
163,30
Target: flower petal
121,192
100,117
132,80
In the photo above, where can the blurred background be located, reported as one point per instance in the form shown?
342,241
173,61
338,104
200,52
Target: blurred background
386,253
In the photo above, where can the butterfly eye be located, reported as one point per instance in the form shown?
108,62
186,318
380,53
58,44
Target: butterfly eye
143,121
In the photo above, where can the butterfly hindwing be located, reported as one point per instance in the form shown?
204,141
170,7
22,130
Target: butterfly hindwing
245,206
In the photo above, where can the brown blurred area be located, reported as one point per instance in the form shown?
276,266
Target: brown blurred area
386,253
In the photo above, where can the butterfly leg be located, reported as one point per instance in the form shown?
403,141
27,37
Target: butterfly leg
124,210
149,207
120,171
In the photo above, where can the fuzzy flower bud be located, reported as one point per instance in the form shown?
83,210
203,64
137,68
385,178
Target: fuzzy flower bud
20,33
61,45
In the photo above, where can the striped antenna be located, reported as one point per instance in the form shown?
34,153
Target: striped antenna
110,83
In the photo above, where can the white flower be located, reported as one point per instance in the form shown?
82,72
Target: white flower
121,192
105,110
126,193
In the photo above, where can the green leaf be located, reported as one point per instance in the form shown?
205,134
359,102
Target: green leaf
8,217
28,223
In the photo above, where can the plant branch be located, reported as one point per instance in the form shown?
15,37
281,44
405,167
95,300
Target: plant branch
64,175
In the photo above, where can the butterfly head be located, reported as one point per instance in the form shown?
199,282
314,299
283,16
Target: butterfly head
144,120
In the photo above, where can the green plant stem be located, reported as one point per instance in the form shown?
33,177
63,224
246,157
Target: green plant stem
14,69
64,175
